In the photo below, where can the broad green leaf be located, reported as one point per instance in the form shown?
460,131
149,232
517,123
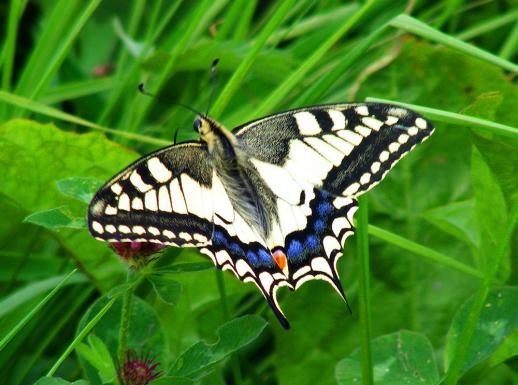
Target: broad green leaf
80,188
167,290
498,322
457,219
200,358
146,334
401,358
491,212
55,219
35,156
58,381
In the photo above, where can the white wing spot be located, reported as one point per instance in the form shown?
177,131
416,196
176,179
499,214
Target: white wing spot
350,136
362,110
164,200
137,181
391,120
97,227
168,234
413,131
124,229
338,225
185,236
124,202
420,123
330,244
339,144
375,124
393,147
320,264
363,131
338,119
307,123
365,178
116,188
375,167
351,189
199,237
177,198
266,280
159,171
153,230
110,210
139,230
384,156
403,138
137,204
150,200
327,151
111,229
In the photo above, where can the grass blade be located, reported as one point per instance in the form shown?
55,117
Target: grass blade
37,308
15,12
77,90
59,56
488,25
283,89
510,45
80,336
364,289
417,27
238,76
424,251
57,114
458,119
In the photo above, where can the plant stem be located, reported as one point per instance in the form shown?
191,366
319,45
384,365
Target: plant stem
363,292
234,360
125,318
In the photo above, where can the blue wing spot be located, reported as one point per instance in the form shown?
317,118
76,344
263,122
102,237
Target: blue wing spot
265,257
219,238
319,225
252,257
236,249
312,242
295,249
324,209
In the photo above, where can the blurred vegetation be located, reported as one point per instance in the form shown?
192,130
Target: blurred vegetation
438,298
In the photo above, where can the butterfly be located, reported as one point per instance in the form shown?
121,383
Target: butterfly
272,200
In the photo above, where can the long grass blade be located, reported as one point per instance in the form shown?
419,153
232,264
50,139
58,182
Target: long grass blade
33,311
424,251
57,114
458,119
82,334
285,87
410,24
237,77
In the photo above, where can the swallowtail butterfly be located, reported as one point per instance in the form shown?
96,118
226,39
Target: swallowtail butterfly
272,200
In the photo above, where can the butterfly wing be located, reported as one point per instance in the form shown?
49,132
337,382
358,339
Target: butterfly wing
174,197
317,160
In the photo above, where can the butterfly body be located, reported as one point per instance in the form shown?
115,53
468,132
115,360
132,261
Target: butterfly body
272,200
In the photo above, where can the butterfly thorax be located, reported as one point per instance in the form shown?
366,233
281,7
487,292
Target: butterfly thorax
251,199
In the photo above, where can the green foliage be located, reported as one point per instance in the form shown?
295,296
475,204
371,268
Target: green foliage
442,226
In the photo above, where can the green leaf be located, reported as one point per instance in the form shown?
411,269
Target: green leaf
401,358
80,188
457,219
497,323
58,381
97,355
167,290
145,332
200,358
57,218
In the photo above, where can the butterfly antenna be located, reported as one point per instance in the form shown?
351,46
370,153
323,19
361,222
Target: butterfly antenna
143,91
213,76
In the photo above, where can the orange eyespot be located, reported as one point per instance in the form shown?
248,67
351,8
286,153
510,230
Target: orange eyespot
280,259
